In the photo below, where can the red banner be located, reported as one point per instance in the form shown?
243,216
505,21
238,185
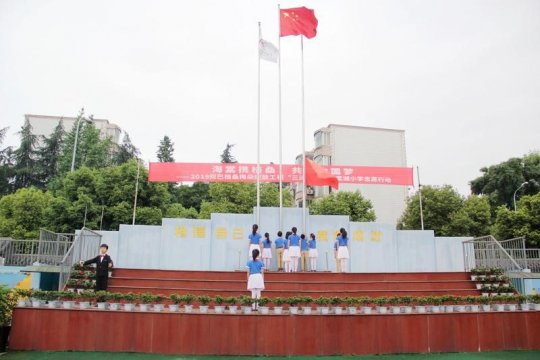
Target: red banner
220,172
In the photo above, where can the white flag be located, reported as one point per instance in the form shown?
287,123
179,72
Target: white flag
268,51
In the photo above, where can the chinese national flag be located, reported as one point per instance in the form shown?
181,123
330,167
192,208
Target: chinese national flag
298,21
316,175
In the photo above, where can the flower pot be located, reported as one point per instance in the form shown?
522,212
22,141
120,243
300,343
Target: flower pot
460,308
474,308
382,309
264,310
325,310
449,308
407,309
421,309
338,310
306,310
53,304
506,285
21,303
485,294
293,310
36,303
144,307
158,307
494,285
511,307
203,309
219,309
351,310
114,306
366,310
68,304
83,305
173,307
478,286
246,310
525,306
486,307
188,308
102,306
473,277
499,307
436,309
395,309
129,307
232,309
278,310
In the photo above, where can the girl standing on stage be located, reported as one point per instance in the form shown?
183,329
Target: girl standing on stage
294,249
336,245
254,240
280,248
343,249
286,257
313,253
267,251
255,279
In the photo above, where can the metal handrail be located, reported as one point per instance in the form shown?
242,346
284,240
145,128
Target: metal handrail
486,251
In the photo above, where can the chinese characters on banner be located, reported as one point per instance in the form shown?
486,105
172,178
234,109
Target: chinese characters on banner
220,172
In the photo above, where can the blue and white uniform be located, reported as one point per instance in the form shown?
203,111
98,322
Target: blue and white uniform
267,249
286,253
313,252
254,242
294,249
255,280
343,249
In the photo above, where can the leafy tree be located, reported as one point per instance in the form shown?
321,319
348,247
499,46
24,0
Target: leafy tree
25,158
178,211
344,203
439,206
191,196
49,154
473,218
6,165
126,151
165,151
500,181
22,213
227,156
523,222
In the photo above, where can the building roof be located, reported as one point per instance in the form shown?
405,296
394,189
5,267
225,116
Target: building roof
358,127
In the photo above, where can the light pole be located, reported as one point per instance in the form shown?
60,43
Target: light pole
515,192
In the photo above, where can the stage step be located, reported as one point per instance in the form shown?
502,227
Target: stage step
232,283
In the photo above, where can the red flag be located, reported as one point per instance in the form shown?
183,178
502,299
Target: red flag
298,21
319,176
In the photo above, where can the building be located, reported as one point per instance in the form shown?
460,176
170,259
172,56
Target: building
44,125
361,146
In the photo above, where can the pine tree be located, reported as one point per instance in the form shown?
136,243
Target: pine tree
126,151
49,154
227,156
25,158
165,151
6,166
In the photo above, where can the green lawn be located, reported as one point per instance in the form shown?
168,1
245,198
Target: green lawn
28,355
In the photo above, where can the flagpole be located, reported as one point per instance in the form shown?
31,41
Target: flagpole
258,215
420,198
303,142
136,191
280,125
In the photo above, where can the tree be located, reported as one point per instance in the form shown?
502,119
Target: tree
473,218
25,158
344,203
6,165
439,206
227,156
49,154
178,211
165,151
191,196
126,151
523,222
500,181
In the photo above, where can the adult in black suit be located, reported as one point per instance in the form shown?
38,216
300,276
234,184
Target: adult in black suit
103,263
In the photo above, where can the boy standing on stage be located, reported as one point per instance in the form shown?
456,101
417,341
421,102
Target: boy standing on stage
103,263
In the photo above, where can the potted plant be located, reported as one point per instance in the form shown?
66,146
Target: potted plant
8,300
52,299
292,302
37,298
381,303
157,303
421,303
246,303
486,289
114,300
231,302
535,301
68,298
511,302
146,299
505,281
437,304
188,299
204,300
278,305
484,303
263,305
351,305
336,302
472,302
460,303
498,302
84,299
175,302
366,304
394,302
322,305
23,296
524,302
130,300
306,302
406,301
218,304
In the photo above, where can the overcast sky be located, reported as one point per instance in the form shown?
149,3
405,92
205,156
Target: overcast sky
462,78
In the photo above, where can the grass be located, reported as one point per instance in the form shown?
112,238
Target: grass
503,355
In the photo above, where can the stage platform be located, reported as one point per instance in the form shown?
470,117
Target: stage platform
230,283
226,334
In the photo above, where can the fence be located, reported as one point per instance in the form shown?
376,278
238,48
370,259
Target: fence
487,252
48,250
84,246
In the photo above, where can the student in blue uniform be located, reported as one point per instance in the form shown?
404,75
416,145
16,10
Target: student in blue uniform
304,251
294,249
254,240
336,246
343,249
313,253
280,247
255,278
267,251
286,253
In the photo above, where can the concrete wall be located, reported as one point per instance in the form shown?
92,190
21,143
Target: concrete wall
221,243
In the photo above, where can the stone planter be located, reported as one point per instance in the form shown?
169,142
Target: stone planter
84,305
53,304
338,310
68,304
36,303
232,309
407,309
144,307
129,307
293,310
278,310
306,310
474,308
486,308
351,310
460,308
436,309
203,309
382,309
421,309
525,306
511,307
102,306
158,307
188,308
264,310
114,306
449,308
219,309
325,310
367,310
499,307
246,310
395,309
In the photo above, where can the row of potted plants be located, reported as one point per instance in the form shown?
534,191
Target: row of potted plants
485,273
294,305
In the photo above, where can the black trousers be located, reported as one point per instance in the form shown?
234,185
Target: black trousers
101,282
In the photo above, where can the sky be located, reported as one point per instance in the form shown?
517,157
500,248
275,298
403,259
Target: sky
461,77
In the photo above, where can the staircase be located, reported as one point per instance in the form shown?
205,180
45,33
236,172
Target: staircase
213,283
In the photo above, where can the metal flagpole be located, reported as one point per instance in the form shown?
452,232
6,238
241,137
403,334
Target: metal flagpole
303,142
280,125
258,215
136,191
420,198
